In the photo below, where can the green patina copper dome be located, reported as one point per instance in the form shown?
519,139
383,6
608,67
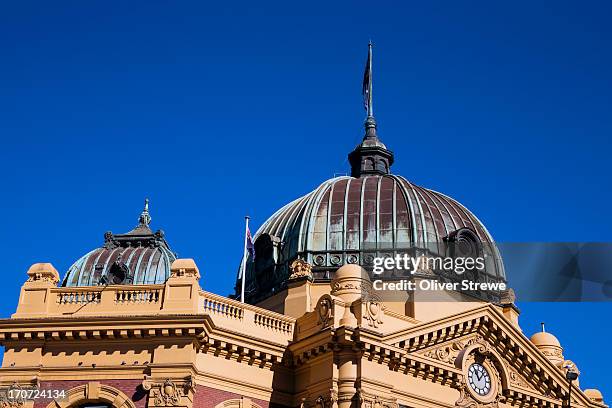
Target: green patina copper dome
138,257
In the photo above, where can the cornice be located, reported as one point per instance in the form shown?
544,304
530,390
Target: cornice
107,328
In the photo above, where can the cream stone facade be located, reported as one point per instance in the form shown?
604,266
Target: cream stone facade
175,345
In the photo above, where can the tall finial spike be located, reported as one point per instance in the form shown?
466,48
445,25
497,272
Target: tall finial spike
145,218
371,156
543,329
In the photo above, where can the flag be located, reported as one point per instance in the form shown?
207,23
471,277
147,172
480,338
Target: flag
250,246
366,89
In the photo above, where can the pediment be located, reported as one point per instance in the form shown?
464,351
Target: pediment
526,372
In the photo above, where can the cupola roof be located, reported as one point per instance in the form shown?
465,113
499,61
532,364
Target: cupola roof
139,256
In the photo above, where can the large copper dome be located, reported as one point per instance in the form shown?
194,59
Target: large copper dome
353,219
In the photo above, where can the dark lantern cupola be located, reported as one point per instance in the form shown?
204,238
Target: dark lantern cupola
371,156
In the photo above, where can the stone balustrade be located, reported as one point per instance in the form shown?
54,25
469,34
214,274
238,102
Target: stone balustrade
233,314
181,294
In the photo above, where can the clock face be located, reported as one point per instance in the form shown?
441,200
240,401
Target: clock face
479,379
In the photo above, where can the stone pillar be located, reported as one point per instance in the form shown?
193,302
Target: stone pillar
181,294
298,301
347,377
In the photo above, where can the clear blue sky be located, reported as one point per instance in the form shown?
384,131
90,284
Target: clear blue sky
216,111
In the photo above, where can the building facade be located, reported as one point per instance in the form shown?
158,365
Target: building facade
129,326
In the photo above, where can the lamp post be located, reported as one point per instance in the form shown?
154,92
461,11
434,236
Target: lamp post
571,374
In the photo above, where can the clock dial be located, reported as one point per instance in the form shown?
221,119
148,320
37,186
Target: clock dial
479,379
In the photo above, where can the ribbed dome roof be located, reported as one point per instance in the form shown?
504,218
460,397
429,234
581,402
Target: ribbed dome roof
379,211
140,256
349,220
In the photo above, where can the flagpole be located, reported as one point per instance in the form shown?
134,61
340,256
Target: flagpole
244,258
370,98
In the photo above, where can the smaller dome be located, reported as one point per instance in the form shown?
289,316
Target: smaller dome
549,346
544,339
594,395
140,256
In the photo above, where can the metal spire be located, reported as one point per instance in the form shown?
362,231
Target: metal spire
370,105
370,123
145,218
371,156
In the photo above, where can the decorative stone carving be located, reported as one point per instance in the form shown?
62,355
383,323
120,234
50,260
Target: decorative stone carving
326,400
447,353
367,400
184,268
516,380
466,400
300,269
168,393
344,286
7,402
43,272
241,402
374,313
553,353
325,310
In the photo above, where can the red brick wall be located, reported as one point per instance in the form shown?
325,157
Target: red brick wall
206,397
128,387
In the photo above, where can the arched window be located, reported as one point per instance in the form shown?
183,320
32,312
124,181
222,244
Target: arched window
94,395
368,164
238,403
381,166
